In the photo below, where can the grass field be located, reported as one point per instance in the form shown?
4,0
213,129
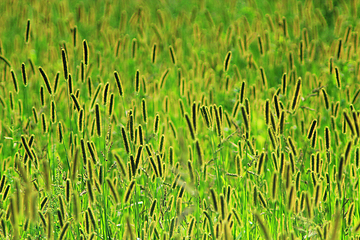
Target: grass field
179,120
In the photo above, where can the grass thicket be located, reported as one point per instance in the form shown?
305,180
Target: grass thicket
178,120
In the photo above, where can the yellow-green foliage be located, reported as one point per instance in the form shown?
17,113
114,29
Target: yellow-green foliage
172,120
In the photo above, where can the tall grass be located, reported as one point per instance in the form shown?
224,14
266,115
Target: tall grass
216,120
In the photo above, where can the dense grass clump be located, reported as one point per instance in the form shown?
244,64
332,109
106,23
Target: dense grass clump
179,120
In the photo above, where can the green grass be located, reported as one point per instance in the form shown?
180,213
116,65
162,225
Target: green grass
201,164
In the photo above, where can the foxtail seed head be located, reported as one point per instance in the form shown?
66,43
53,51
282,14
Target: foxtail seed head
105,93
118,83
242,92
190,126
296,96
338,79
144,109
245,118
227,61
85,52
14,81
27,32
23,74
125,140
154,53
46,80
112,190
218,120
129,191
263,77
53,112
110,105
172,55
60,132
27,147
44,124
260,45
98,119
214,199
282,122
65,64
156,124
312,129
137,81
199,152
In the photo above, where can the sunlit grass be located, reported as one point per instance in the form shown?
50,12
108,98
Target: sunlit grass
161,120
